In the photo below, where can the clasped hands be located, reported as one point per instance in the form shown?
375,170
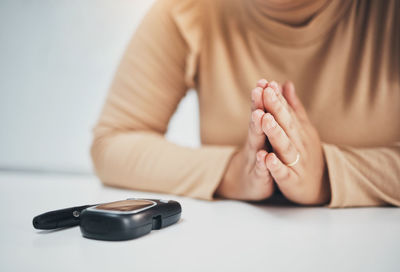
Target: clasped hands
296,164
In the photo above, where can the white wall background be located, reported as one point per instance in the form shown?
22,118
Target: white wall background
57,59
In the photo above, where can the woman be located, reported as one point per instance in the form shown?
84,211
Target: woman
334,128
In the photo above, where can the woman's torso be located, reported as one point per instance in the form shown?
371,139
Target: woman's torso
344,64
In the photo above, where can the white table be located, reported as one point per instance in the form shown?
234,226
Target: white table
211,236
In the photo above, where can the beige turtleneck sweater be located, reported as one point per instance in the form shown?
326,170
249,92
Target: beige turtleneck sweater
344,61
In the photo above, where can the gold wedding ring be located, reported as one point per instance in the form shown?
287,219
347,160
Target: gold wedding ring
295,161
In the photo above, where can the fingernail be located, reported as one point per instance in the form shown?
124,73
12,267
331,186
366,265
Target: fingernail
271,94
256,93
255,115
262,82
274,84
253,94
274,160
275,87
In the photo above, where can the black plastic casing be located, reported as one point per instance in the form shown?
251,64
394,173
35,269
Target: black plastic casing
117,227
59,219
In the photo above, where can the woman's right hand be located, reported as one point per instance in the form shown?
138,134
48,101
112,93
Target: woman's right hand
246,176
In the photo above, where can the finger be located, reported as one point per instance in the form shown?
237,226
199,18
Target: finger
256,99
280,142
293,100
262,83
256,136
262,180
281,173
260,169
278,91
282,115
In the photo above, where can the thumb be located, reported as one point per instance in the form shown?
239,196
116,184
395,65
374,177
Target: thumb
293,100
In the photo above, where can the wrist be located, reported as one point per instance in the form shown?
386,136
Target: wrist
226,186
325,186
323,195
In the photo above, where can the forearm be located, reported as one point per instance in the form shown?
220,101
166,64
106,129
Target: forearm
144,160
363,176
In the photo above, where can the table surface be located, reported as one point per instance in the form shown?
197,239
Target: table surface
211,236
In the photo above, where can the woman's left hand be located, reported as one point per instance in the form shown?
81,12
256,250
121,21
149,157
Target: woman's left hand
297,162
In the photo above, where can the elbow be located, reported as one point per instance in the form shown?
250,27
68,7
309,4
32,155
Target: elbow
110,157
97,154
115,157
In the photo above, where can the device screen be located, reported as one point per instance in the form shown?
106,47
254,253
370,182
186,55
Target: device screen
125,205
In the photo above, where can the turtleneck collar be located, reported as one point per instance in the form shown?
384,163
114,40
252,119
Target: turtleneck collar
291,12
296,23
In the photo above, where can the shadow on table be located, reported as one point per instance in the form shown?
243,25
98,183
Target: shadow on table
280,207
53,230
276,200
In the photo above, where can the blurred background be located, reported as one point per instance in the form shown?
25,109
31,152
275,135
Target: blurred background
57,60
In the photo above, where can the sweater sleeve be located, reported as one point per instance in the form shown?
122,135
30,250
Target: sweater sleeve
363,176
129,149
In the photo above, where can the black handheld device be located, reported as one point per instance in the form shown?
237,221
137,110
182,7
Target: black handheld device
114,221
